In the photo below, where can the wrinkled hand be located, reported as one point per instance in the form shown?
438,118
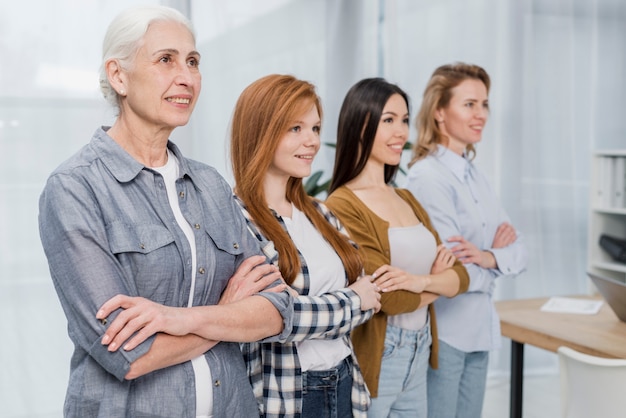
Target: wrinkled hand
468,253
505,236
253,276
443,261
390,278
368,292
140,315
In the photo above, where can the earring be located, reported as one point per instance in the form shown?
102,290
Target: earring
122,92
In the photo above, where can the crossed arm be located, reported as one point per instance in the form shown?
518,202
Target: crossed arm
185,333
401,292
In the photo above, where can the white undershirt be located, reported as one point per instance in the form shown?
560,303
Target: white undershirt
413,249
326,273
201,369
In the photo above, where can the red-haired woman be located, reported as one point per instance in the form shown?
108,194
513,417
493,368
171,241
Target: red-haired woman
314,373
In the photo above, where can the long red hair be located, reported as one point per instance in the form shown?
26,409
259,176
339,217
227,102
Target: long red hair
263,114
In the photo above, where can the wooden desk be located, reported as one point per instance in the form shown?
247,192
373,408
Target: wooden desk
602,335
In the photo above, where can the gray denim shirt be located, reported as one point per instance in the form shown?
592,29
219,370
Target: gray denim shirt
107,228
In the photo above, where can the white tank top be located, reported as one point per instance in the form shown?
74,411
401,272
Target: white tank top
413,249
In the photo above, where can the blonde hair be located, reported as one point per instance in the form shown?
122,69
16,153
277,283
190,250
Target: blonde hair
262,116
437,95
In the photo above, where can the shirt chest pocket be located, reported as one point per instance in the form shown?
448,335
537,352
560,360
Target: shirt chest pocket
228,244
144,239
148,255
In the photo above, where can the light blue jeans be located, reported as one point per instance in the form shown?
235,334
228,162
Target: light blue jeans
402,382
457,388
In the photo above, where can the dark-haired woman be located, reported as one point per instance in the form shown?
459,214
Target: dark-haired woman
399,246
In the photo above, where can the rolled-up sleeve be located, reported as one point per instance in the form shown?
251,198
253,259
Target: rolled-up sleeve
327,316
283,302
84,271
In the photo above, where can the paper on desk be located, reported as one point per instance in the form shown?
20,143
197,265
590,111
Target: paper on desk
572,305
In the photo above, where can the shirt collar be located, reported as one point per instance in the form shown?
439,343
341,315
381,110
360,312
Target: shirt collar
121,164
459,165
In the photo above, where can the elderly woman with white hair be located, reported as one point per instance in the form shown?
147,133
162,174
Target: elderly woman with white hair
130,224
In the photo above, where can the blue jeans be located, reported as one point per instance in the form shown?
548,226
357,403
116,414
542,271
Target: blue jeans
457,388
328,393
402,382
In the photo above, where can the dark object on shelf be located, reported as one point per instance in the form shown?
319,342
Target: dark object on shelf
614,246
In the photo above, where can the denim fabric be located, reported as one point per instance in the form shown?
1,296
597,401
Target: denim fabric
107,228
402,383
457,388
327,393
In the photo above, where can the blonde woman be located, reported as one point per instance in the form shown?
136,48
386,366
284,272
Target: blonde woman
469,217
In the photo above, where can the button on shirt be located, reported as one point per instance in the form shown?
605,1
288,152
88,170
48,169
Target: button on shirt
107,228
460,201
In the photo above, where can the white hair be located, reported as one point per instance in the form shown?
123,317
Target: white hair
124,35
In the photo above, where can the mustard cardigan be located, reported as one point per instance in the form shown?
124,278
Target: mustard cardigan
370,232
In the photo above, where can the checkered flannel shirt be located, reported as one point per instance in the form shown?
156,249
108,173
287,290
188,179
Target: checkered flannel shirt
273,366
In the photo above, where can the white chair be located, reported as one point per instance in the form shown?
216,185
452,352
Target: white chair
591,386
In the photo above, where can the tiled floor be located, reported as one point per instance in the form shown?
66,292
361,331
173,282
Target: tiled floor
541,397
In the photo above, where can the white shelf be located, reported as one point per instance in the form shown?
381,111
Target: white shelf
608,210
612,266
610,153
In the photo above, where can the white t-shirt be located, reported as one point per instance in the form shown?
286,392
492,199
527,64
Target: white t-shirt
326,273
201,369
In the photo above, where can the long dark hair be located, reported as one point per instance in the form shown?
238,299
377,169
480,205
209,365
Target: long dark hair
358,122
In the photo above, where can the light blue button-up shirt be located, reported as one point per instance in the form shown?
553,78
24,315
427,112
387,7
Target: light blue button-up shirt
107,227
460,201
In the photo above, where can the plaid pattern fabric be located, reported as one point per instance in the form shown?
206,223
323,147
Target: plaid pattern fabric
273,366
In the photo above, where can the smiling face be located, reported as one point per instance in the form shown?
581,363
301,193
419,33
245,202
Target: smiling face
298,147
463,119
162,86
392,132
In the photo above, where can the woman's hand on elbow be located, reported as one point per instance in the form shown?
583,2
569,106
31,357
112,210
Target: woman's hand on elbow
368,292
505,236
253,276
468,253
389,278
141,316
443,260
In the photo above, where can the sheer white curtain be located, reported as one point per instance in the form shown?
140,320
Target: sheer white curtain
329,43
49,106
556,67
557,94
